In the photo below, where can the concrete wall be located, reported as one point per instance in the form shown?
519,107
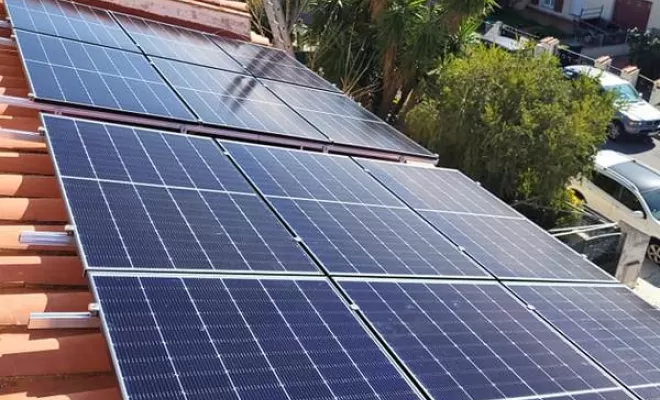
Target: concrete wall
654,18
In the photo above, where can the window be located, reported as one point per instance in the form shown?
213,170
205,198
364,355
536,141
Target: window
548,4
609,185
628,199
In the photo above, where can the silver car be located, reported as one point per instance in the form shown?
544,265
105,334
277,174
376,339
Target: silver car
634,115
623,189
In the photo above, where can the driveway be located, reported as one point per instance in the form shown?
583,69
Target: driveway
648,152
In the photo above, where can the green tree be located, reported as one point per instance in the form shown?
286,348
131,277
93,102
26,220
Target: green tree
512,122
380,50
645,52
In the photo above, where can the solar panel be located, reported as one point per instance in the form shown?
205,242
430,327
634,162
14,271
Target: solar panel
343,120
472,341
271,63
68,20
232,100
367,240
192,338
72,72
176,43
144,199
437,189
514,248
298,174
610,323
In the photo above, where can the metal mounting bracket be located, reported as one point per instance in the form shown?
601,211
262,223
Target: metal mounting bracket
64,320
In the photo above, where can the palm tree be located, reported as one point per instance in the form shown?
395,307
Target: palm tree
380,50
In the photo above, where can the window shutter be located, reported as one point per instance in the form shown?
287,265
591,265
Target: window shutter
559,5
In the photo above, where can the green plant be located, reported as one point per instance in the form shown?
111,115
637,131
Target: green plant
645,52
512,122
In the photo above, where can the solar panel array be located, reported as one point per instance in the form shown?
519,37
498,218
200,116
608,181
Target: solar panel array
343,120
96,58
194,338
142,199
611,323
173,42
85,74
228,270
353,225
472,342
68,20
503,241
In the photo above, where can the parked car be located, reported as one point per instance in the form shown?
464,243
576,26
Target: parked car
634,115
624,189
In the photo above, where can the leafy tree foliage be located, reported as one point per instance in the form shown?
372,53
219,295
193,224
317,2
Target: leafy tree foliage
645,52
512,122
378,51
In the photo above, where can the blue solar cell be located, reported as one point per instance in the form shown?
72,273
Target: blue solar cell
514,248
357,239
610,323
176,43
169,200
298,174
343,120
95,226
240,338
73,72
231,100
472,341
126,153
437,189
68,20
271,63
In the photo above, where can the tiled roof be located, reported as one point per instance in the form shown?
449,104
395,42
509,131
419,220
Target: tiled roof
60,364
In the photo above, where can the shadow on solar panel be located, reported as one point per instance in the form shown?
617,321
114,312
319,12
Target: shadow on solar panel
271,63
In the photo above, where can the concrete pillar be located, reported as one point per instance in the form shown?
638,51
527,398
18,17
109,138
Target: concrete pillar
603,62
655,93
630,73
546,45
494,31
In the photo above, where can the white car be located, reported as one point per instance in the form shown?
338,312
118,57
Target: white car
634,116
623,189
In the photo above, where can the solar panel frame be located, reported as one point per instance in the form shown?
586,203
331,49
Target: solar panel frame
115,35
631,353
501,254
382,171
277,64
181,44
253,253
548,329
131,74
362,327
350,123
